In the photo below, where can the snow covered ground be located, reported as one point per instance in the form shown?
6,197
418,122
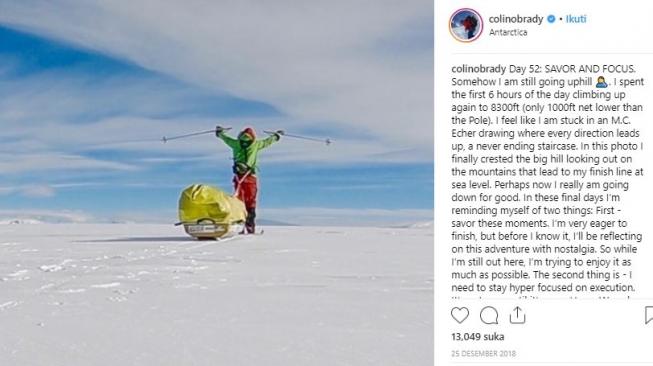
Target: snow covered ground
130,294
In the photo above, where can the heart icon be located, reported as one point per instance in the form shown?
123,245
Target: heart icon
459,314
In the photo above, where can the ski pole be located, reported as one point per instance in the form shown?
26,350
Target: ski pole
166,139
326,141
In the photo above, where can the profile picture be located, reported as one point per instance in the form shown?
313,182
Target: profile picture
466,25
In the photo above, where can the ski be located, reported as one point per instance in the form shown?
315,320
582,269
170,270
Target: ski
256,233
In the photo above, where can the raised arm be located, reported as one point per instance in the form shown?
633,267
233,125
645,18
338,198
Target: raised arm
262,144
230,141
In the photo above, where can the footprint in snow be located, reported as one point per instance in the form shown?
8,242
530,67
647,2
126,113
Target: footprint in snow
51,268
191,285
18,273
46,286
72,291
188,270
16,276
122,295
106,285
125,292
117,298
9,305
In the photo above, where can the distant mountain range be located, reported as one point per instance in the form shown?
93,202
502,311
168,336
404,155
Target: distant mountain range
266,222
19,221
64,219
422,225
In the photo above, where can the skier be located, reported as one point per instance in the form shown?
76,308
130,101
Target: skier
245,150
470,23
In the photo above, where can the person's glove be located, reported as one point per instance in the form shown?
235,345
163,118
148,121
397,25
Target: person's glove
278,134
219,130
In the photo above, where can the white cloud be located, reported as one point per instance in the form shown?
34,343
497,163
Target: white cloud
33,191
38,191
20,163
313,60
135,134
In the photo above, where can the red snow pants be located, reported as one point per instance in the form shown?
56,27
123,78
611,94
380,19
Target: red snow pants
247,189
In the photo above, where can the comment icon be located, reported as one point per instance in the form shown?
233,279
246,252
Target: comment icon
489,315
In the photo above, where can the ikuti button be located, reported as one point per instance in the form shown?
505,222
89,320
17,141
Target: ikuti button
648,315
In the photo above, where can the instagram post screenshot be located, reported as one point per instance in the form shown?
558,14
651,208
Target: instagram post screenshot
543,199
219,183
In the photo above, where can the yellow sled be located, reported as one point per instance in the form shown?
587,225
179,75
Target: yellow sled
209,213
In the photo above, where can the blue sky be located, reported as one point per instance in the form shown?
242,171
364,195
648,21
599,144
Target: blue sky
81,114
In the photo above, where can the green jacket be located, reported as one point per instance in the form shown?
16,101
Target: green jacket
247,156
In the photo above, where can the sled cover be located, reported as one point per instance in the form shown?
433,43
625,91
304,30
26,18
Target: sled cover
200,201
